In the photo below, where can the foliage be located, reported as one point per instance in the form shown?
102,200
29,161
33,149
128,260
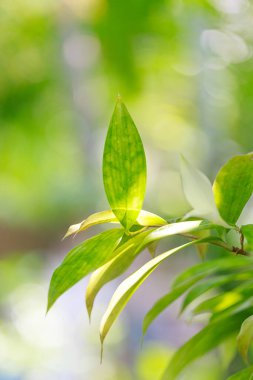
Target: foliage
226,281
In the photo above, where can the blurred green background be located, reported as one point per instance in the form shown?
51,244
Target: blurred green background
185,71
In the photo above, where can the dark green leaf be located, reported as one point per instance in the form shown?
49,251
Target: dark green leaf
207,339
245,374
124,167
82,260
233,187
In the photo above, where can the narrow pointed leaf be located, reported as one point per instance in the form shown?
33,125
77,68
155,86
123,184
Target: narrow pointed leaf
233,187
204,287
124,167
167,300
245,338
207,339
219,265
144,219
92,220
198,192
82,260
245,374
125,255
127,288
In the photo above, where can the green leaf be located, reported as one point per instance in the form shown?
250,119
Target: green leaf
184,282
127,288
247,231
198,192
125,255
219,265
207,339
245,338
167,300
245,374
124,167
82,260
145,219
233,187
204,287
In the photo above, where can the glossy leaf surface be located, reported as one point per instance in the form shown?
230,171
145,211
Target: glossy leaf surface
233,187
82,260
124,167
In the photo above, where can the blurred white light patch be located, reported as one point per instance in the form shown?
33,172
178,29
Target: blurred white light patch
228,46
28,317
231,6
81,52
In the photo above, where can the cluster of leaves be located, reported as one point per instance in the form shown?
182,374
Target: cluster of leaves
213,220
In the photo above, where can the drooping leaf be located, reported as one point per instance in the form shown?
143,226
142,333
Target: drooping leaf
207,339
233,187
184,282
218,265
127,288
245,374
124,167
167,300
125,255
204,287
145,219
245,338
198,192
81,260
92,220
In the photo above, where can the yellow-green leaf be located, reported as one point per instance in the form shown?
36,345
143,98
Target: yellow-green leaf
233,187
245,338
124,167
82,260
245,374
145,219
127,288
127,252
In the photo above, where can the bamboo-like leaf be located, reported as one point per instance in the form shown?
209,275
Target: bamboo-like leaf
188,278
145,219
124,167
245,374
207,339
233,187
167,300
204,287
125,255
245,338
82,260
127,288
212,266
198,192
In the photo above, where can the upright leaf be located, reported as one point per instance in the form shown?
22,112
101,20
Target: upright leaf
124,167
198,192
233,187
245,338
82,260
